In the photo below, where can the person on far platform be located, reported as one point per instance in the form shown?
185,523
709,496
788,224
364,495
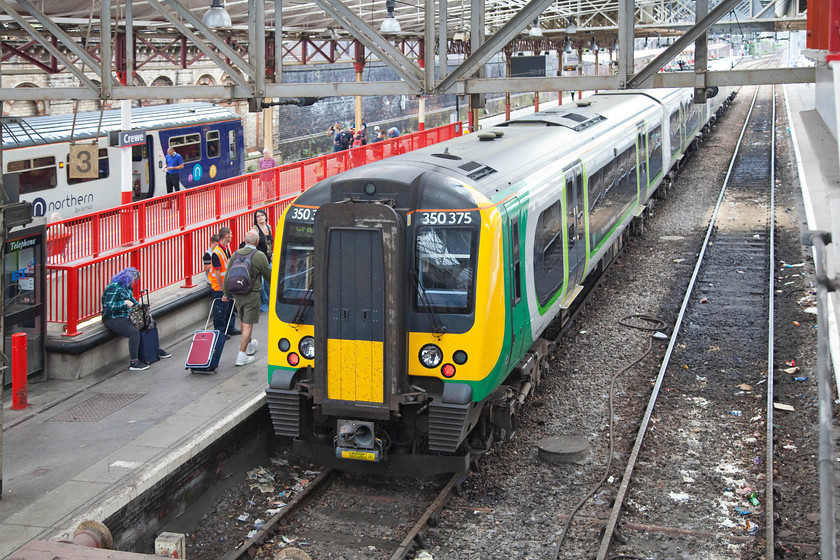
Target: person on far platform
174,163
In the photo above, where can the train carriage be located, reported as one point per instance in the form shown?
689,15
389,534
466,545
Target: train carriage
36,154
410,294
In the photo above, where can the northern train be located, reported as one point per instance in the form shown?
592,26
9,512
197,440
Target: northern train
410,294
36,154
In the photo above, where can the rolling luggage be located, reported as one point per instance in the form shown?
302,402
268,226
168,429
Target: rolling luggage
207,345
149,337
149,344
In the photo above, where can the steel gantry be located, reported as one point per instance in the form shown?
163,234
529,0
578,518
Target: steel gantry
102,45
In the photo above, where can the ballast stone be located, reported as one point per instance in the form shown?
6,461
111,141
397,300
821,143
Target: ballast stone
563,449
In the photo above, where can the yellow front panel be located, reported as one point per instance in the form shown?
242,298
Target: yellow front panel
354,370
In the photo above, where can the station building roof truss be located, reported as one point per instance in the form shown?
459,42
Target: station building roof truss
65,36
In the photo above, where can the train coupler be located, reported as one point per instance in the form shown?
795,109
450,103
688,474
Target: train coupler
357,440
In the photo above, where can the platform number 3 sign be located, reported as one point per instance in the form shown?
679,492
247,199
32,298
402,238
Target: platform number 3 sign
84,161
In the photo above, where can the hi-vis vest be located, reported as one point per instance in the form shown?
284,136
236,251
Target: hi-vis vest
220,252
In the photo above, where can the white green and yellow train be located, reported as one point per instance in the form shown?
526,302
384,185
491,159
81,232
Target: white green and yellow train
410,294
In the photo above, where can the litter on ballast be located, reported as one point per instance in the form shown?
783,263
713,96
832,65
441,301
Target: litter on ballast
742,511
792,370
735,412
782,406
243,517
745,387
800,379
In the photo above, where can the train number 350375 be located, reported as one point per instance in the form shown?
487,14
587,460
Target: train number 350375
445,218
303,214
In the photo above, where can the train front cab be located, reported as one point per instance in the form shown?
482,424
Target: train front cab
396,381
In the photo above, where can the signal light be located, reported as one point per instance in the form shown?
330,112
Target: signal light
294,359
448,370
283,344
460,357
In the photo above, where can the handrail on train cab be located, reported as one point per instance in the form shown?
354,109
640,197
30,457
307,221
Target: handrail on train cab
85,252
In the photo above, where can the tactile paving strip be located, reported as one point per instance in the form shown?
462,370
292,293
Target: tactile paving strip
97,407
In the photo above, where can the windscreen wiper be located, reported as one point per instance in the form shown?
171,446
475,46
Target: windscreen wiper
438,328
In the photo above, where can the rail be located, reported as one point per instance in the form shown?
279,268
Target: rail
165,237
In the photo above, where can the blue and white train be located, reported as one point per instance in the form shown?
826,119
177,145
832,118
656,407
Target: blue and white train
36,154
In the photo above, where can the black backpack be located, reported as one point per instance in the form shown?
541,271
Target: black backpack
345,140
239,279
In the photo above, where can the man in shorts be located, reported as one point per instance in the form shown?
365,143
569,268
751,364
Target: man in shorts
248,304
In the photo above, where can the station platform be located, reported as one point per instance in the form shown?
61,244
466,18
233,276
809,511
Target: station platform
85,448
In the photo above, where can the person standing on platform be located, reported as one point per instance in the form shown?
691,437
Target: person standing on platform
267,162
174,163
207,257
265,244
248,304
117,300
218,270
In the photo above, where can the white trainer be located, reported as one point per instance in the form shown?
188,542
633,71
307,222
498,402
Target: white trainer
244,360
251,349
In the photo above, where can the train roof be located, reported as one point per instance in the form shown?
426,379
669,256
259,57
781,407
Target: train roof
490,165
19,132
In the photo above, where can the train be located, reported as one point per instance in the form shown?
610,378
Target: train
410,296
37,154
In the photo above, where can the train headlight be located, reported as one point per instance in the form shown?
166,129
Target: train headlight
307,347
284,345
460,357
431,356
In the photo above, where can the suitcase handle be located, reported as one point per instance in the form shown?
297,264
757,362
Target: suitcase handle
230,315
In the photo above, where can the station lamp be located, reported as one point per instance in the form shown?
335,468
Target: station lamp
216,16
390,23
535,29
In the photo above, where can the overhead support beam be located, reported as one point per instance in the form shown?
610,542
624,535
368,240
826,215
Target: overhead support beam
471,86
443,41
278,41
681,43
201,45
429,46
105,48
377,44
59,33
54,51
479,57
256,19
209,35
129,44
626,54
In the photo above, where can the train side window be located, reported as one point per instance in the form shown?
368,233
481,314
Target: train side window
516,283
655,144
188,146
213,144
37,174
232,144
104,168
674,122
548,253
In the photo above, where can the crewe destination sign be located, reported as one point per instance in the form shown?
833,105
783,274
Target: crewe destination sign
126,138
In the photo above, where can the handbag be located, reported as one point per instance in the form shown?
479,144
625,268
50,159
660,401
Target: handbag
141,314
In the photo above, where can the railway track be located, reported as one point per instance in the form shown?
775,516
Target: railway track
359,517
719,358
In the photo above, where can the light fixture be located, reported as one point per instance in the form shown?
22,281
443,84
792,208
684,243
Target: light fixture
535,29
593,46
216,16
615,44
571,30
390,24
567,45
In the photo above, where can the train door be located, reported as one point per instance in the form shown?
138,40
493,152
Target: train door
148,164
357,330
514,212
574,223
642,154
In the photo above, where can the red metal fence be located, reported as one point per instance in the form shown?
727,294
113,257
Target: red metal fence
165,237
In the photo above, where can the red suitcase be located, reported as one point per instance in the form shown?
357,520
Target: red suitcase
207,345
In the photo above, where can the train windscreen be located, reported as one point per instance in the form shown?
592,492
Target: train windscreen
445,269
298,265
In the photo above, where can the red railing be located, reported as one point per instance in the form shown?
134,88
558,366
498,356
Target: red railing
165,237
